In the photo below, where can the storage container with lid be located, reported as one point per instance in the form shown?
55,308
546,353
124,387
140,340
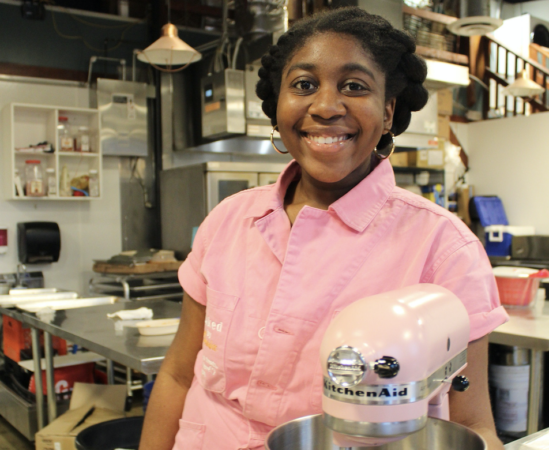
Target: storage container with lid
34,178
498,233
66,140
51,182
518,286
93,183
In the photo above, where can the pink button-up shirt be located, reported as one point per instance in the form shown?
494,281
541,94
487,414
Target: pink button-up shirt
271,289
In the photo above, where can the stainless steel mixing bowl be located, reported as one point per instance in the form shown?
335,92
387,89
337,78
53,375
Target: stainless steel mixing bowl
310,433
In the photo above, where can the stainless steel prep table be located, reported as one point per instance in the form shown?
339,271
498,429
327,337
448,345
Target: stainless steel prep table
91,328
528,328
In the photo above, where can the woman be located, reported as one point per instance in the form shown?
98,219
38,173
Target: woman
271,266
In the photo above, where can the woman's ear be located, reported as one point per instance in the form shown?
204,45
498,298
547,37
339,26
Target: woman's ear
389,112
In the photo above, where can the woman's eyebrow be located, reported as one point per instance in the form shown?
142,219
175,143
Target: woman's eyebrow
349,67
353,67
302,66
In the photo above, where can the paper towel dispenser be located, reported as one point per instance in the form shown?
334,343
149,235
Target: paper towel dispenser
38,242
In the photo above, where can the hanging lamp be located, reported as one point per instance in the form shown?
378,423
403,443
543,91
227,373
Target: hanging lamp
523,87
168,50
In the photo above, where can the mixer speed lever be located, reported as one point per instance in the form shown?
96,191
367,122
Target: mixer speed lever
386,367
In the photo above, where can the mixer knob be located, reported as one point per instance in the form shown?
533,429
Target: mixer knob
460,383
386,367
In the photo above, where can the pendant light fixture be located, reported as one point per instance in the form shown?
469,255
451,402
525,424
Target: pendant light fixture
523,87
168,50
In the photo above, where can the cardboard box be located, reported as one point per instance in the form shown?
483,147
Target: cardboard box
430,159
399,159
444,127
90,404
445,100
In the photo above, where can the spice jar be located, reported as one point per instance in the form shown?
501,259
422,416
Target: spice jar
34,178
66,140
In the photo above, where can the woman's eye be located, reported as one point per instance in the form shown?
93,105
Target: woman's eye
352,86
304,85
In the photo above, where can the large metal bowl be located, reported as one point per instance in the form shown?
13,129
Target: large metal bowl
310,433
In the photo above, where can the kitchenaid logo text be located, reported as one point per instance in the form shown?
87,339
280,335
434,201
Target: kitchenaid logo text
379,392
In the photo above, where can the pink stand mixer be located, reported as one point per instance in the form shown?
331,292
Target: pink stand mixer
389,362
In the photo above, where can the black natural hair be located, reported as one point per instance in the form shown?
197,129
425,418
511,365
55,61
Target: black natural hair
392,50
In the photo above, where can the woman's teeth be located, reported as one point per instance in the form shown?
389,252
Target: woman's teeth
328,139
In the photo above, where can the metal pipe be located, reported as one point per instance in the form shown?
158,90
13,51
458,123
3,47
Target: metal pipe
94,59
36,357
50,383
129,382
110,371
135,52
536,390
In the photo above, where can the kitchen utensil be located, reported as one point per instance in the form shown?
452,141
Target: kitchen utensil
310,433
388,362
158,327
58,305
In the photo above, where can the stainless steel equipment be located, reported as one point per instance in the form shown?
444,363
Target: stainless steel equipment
123,110
257,123
310,433
189,193
222,102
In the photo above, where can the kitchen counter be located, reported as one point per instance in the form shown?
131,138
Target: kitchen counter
91,328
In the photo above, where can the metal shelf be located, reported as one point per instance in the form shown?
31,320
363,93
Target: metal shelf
138,286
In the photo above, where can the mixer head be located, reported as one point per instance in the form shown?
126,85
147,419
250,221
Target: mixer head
389,361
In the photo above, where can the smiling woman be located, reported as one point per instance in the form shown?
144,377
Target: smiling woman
272,266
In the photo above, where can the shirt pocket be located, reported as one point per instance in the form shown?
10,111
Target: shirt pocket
318,379
190,436
219,315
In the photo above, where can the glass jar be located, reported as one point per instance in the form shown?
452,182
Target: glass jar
66,140
93,183
51,182
83,141
34,178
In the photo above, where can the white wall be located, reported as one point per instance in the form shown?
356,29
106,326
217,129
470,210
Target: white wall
89,229
510,158
538,9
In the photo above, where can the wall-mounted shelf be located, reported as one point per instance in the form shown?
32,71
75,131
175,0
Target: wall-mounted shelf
26,125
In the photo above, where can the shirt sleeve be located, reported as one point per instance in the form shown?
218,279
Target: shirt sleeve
189,274
468,274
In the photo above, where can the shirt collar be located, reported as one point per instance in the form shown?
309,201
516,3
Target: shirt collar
273,197
356,209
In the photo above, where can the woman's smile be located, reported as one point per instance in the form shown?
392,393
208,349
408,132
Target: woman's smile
331,108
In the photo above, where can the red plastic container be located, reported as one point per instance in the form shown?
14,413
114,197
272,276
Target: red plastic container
518,286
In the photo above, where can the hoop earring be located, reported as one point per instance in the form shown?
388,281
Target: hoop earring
382,156
275,128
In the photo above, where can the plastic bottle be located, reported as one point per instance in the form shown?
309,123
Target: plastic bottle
93,183
66,140
83,141
64,183
51,182
34,178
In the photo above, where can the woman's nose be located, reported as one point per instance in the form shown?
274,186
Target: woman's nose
327,104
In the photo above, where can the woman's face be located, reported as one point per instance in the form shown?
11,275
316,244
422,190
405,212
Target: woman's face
331,109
